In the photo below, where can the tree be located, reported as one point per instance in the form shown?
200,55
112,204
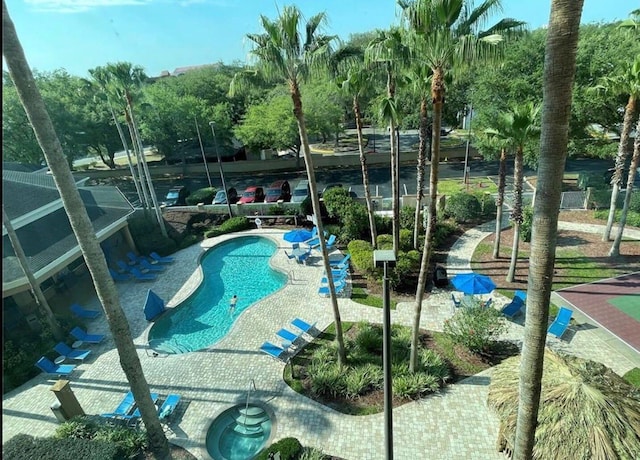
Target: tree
83,230
452,39
516,128
627,82
284,53
560,67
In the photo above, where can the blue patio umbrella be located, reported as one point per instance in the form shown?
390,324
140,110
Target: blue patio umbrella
297,236
473,283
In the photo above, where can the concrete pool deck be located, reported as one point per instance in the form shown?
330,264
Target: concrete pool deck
455,423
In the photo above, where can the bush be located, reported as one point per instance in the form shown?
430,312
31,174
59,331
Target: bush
407,217
600,199
337,201
487,205
527,224
413,385
276,210
355,221
383,224
311,453
203,195
25,447
234,224
362,379
369,338
634,203
384,241
148,237
444,228
406,239
289,448
362,255
408,263
474,328
189,240
463,207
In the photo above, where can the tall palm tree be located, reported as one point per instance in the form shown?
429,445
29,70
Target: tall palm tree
389,51
633,169
355,79
496,142
516,127
559,73
41,300
283,52
626,82
450,30
83,229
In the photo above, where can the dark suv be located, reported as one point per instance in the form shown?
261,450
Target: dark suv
279,190
177,196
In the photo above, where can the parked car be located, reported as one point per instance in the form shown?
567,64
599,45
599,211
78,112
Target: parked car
300,192
221,196
252,194
279,190
177,196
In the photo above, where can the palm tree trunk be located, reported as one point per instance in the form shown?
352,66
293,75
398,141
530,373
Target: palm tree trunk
621,159
123,139
315,202
635,162
365,172
422,148
560,58
516,215
500,202
138,154
395,189
437,92
41,300
83,230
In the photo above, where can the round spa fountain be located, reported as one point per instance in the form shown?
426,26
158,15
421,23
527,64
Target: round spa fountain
239,433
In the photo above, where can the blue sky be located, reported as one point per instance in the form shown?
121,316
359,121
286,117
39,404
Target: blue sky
164,34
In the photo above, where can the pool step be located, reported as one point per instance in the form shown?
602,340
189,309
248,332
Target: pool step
251,411
249,431
251,420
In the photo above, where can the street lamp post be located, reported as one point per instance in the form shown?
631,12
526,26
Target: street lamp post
224,185
466,153
204,157
386,259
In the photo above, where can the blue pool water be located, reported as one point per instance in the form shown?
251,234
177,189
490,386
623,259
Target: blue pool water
239,266
239,433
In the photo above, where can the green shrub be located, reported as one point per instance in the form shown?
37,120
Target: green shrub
408,264
527,224
406,239
189,240
311,453
234,224
362,379
362,255
444,228
384,241
326,379
634,203
633,377
600,199
337,201
369,338
148,237
474,328
433,364
413,385
276,210
289,448
488,206
383,224
355,222
203,195
25,447
463,207
407,217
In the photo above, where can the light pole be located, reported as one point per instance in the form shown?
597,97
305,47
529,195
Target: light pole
204,157
466,153
386,259
224,185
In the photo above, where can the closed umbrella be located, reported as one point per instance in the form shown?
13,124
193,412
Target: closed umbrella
473,283
297,236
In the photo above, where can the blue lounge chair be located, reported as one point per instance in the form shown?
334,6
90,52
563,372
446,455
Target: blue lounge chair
314,234
303,325
152,268
123,409
81,312
160,259
82,336
561,323
288,336
45,365
337,277
134,259
68,352
168,407
344,263
139,276
513,308
272,350
331,242
456,303
124,268
118,276
136,413
521,294
339,285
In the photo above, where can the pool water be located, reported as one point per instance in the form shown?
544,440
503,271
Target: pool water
239,266
239,433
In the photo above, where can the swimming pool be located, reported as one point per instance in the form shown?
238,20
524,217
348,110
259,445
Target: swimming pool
239,266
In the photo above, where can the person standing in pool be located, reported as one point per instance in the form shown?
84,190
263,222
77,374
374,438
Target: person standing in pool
232,304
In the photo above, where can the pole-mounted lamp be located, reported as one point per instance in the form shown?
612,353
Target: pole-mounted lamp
224,185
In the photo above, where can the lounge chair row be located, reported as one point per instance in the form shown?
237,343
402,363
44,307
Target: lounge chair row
140,268
289,339
67,352
125,410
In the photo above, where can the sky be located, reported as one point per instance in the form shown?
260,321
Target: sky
159,35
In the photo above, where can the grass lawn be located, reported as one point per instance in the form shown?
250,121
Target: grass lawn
359,295
476,185
633,377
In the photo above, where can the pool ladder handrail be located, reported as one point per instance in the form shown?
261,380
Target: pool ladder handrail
252,383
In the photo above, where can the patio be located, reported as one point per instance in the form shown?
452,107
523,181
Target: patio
457,421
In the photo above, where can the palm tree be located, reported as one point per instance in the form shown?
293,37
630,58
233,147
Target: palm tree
83,229
559,73
498,143
41,300
355,79
635,163
125,79
388,50
625,82
516,127
579,399
452,39
284,53
100,78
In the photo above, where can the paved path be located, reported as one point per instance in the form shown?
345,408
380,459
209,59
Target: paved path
451,425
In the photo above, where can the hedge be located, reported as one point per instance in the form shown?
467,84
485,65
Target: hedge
234,224
289,448
25,447
203,195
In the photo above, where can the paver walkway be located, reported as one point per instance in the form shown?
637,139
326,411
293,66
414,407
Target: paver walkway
453,424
